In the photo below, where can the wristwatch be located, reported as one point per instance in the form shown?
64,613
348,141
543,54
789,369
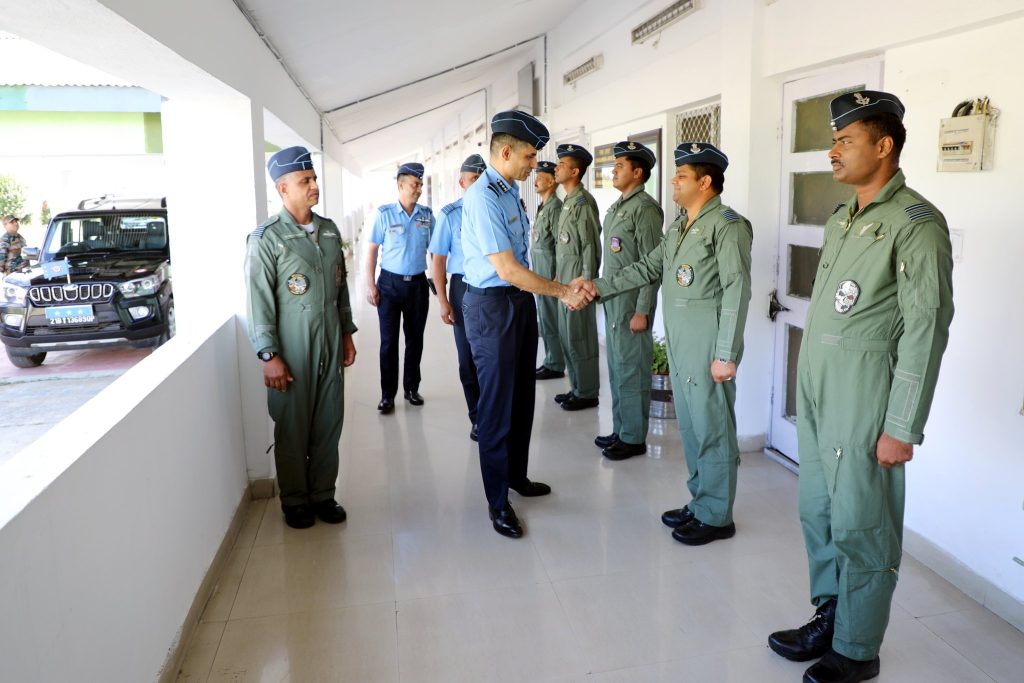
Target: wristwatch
722,360
266,355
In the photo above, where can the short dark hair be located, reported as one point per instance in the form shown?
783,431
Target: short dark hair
641,163
881,125
499,140
716,173
407,175
579,164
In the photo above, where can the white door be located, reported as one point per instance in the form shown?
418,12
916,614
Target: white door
809,196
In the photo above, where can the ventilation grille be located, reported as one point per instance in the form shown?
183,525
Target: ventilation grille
585,69
660,21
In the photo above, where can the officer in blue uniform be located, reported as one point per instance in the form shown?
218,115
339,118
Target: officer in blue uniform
501,316
403,230
446,250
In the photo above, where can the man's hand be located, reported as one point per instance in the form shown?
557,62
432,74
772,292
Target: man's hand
447,315
582,284
348,347
722,372
890,451
372,294
276,375
574,299
638,323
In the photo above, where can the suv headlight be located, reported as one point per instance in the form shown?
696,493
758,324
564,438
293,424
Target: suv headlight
14,295
144,286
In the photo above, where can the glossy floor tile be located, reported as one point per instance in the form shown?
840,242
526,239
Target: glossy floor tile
416,587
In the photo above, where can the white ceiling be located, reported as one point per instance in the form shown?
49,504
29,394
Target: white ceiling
344,51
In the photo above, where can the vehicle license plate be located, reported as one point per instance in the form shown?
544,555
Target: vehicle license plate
70,315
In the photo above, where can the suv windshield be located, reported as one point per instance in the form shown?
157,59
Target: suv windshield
121,232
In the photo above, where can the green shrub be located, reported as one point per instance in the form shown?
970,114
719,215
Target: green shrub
659,364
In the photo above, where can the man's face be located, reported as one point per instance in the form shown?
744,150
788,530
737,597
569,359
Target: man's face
12,227
299,189
521,159
467,178
854,155
625,174
685,186
409,189
543,182
565,170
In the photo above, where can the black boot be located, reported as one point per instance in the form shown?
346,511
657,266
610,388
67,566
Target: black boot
836,668
810,641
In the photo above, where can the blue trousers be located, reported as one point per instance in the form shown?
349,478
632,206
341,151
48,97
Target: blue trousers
501,325
467,369
401,298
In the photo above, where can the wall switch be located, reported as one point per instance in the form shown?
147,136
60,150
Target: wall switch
956,237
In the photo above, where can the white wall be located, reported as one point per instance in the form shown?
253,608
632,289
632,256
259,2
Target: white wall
100,566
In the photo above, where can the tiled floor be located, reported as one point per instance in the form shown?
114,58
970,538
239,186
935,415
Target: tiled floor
417,587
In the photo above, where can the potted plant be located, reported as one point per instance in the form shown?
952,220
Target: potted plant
661,384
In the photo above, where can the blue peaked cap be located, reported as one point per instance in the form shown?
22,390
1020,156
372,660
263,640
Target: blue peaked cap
854,106
546,167
474,163
522,126
411,168
628,148
288,160
576,152
700,153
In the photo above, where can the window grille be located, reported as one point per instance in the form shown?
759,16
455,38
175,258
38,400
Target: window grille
702,124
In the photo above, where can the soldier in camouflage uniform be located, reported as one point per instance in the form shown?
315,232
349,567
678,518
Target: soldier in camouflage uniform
875,333
632,229
11,244
577,254
542,260
300,325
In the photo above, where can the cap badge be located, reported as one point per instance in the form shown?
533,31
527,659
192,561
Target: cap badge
570,148
631,145
694,149
861,99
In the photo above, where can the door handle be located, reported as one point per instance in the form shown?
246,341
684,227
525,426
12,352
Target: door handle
774,305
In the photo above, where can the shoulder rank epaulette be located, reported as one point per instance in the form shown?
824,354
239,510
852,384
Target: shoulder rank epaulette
581,200
730,215
382,208
448,208
838,206
918,211
493,188
258,232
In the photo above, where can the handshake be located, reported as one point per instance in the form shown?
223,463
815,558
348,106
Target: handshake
578,293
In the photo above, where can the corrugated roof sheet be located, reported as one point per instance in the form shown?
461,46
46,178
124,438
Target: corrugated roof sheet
25,63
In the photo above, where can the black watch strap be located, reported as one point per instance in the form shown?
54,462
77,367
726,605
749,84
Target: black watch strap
266,355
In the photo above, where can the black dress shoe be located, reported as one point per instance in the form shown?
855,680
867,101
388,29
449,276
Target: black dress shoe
837,668
577,403
677,518
473,434
298,516
386,405
562,398
414,397
810,641
620,450
329,511
505,522
544,372
697,532
531,489
606,441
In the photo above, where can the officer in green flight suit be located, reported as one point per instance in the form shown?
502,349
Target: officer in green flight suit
300,325
875,333
542,261
632,229
577,254
704,267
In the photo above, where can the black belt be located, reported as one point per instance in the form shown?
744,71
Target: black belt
494,291
403,278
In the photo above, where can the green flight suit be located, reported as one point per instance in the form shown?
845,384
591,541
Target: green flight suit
705,288
542,258
298,307
578,252
632,229
876,329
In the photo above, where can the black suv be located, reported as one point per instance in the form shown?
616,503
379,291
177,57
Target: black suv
117,291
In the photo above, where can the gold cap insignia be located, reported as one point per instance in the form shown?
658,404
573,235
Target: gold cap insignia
861,99
631,145
694,149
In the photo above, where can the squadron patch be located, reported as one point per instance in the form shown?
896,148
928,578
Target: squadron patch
298,284
563,237
684,275
846,296
616,245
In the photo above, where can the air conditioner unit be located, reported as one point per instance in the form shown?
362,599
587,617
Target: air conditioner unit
585,69
663,19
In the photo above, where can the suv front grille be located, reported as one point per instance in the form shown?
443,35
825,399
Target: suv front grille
86,292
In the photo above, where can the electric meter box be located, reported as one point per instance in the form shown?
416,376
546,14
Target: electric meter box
965,143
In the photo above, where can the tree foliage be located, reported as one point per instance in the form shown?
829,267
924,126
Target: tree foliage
12,197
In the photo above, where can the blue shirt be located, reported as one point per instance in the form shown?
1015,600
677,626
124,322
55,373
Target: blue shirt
447,238
403,238
493,220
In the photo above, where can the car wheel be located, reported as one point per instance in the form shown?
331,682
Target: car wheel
31,360
172,325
